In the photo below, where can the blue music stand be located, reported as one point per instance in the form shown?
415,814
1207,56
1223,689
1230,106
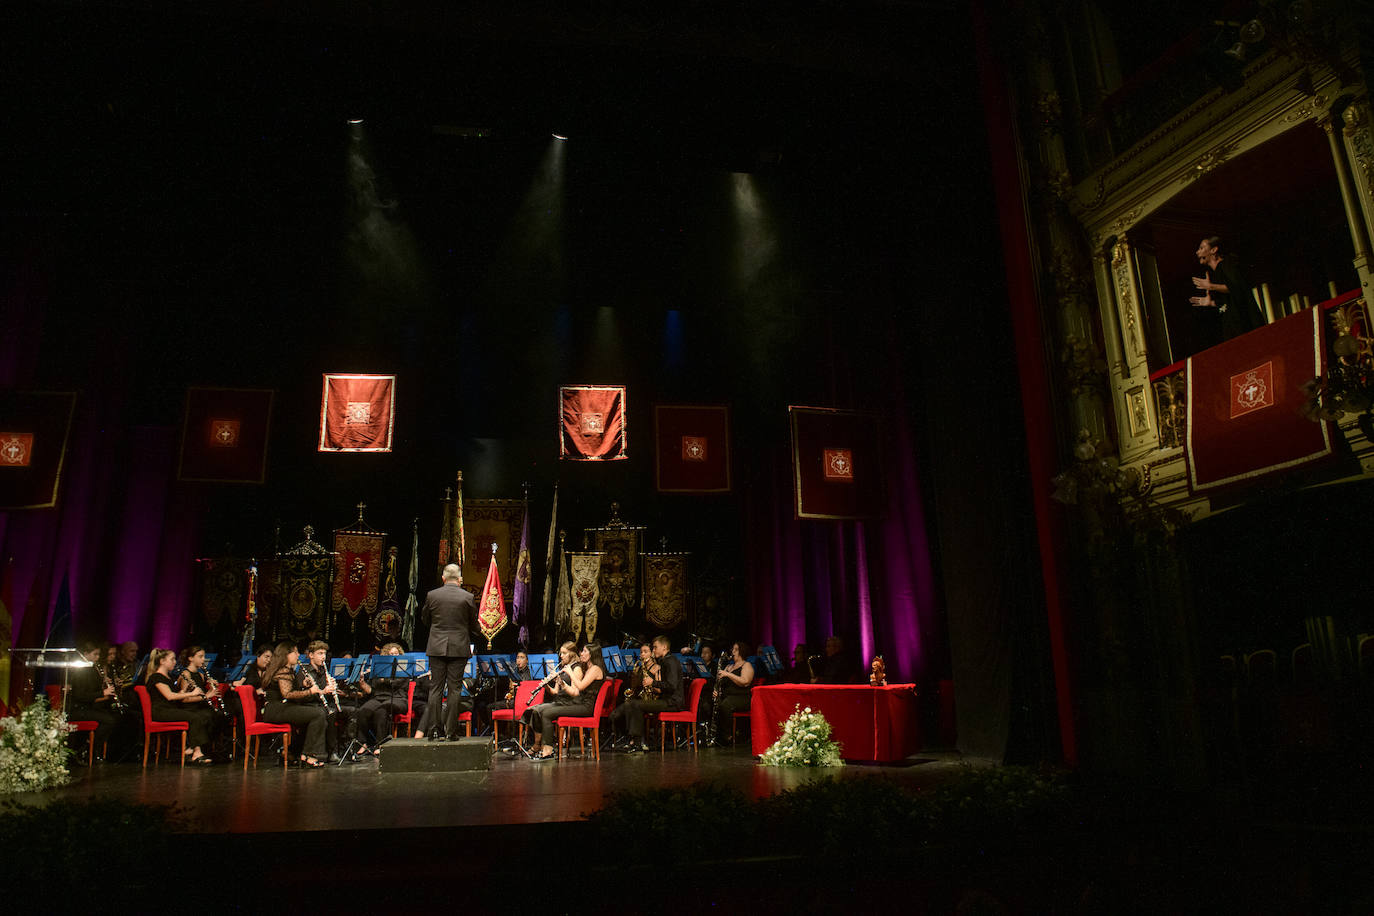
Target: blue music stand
239,669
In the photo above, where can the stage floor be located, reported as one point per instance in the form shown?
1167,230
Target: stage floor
515,791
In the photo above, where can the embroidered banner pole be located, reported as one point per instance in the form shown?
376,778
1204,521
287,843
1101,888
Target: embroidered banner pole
250,624
491,609
549,580
520,601
408,624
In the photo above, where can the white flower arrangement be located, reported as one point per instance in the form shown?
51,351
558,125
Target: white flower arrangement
805,742
33,750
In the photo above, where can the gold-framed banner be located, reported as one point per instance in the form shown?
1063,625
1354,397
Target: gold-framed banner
618,586
487,522
666,589
585,569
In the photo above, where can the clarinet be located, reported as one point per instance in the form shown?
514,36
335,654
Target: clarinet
309,683
333,685
116,703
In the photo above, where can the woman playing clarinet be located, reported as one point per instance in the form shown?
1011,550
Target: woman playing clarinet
574,693
734,681
170,703
293,698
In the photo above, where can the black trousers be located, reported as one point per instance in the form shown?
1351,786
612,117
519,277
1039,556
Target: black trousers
312,718
444,670
109,721
200,717
635,710
374,717
730,704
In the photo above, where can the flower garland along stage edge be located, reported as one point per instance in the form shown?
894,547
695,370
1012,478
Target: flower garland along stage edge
804,742
33,750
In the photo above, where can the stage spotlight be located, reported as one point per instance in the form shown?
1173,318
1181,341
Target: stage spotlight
354,122
560,136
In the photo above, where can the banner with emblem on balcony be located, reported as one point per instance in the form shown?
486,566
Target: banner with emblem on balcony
224,435
1245,400
34,430
837,464
692,448
592,422
357,413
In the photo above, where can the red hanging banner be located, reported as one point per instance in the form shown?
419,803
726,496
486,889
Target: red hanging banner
491,608
592,418
693,448
837,463
356,413
224,435
34,429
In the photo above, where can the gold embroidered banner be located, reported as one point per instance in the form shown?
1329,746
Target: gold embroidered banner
491,607
224,435
356,413
586,570
592,418
357,571
34,430
665,589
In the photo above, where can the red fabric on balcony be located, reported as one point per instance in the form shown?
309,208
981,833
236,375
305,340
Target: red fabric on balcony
1244,404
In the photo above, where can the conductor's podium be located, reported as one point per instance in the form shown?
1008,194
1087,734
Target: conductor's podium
417,755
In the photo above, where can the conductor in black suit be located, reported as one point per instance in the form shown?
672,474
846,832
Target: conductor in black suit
450,611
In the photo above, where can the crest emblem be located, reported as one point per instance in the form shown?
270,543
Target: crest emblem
224,433
693,448
359,413
839,464
593,423
16,449
1252,390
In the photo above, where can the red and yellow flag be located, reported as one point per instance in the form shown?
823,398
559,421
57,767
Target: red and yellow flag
491,607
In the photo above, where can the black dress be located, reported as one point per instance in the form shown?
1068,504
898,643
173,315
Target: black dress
298,707
196,713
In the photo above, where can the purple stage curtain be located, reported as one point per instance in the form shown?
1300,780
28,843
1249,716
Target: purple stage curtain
123,534
871,583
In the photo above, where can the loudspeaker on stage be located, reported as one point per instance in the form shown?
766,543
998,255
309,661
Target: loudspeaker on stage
416,755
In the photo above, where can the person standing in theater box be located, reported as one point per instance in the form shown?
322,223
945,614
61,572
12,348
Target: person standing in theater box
450,612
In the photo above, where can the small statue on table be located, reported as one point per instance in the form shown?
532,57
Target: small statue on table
877,672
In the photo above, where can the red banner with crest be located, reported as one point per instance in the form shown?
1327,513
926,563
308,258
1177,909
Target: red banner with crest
592,418
357,413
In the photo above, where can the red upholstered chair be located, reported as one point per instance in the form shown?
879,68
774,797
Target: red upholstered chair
524,699
54,692
688,716
407,717
253,729
581,723
151,728
759,681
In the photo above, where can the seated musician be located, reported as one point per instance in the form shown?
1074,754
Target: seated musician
172,703
195,676
574,694
705,710
317,669
799,672
732,689
290,699
670,692
647,666
836,667
383,697
521,672
92,697
126,672
252,677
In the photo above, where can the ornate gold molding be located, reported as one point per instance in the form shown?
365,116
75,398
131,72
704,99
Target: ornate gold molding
1210,161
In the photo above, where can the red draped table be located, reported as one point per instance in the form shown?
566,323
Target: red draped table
870,723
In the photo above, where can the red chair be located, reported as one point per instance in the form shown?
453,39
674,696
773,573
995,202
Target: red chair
407,717
524,699
253,729
688,716
581,723
151,728
77,725
759,681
